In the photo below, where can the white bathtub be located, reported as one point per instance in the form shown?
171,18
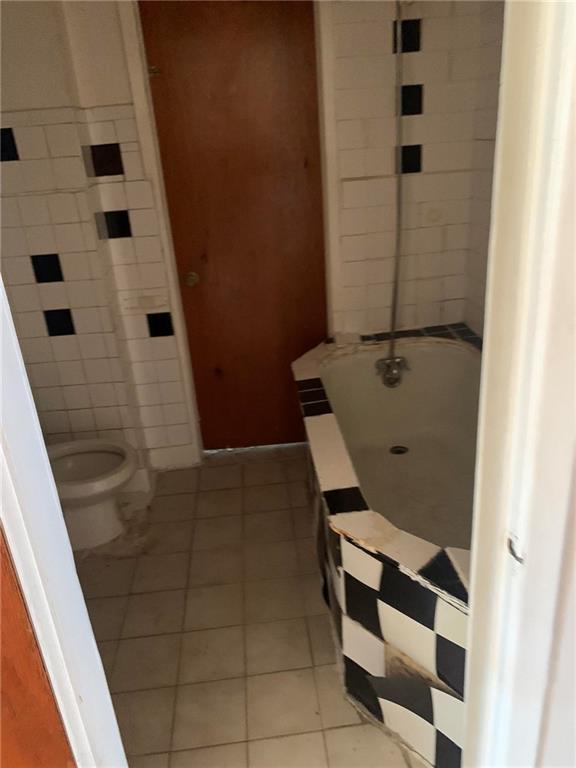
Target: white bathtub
426,491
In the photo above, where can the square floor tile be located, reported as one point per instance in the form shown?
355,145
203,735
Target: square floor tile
145,719
362,746
165,538
226,476
306,750
106,577
222,503
307,556
216,606
298,493
160,572
107,616
268,526
314,602
212,654
264,473
272,599
282,703
145,662
149,761
304,523
296,469
154,613
266,498
168,509
277,645
213,533
210,713
270,561
178,481
334,709
225,756
107,649
217,566
320,629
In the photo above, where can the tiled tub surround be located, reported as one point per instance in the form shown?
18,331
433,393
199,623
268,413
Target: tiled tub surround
85,275
450,59
216,642
391,590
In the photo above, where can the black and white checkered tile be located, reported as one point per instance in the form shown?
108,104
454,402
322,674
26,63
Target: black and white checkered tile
374,603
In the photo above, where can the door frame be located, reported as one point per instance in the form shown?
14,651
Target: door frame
520,355
36,535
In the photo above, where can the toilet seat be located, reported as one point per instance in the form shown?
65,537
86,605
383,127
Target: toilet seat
89,475
90,469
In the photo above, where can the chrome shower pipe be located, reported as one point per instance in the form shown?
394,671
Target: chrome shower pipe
398,159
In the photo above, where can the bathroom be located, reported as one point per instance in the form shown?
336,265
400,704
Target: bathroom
274,557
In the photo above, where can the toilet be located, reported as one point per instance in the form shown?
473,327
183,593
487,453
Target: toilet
89,475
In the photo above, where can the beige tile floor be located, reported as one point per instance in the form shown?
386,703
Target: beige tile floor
216,641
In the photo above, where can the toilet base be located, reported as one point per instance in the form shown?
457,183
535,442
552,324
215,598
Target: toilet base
94,524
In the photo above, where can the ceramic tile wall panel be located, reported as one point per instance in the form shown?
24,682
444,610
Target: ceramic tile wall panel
373,604
449,98
85,275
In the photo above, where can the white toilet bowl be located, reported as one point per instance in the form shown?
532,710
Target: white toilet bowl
89,475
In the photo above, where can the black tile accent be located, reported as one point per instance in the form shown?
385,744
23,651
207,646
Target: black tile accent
411,33
407,596
103,160
160,324
59,322
358,684
312,395
406,334
448,754
113,224
47,268
309,384
362,604
450,663
441,572
345,500
408,692
411,158
316,409
8,148
412,99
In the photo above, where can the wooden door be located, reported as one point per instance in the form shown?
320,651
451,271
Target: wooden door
32,732
236,110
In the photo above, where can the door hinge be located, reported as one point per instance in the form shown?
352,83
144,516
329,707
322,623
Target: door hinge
154,71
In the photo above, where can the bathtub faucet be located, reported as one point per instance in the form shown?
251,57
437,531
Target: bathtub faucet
390,369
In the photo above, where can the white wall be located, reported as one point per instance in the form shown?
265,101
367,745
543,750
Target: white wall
110,378
445,210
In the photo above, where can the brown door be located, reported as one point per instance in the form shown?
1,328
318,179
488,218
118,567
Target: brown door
236,110
32,732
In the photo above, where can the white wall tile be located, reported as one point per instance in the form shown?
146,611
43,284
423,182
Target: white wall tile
112,196
43,374
10,212
69,173
34,210
62,140
69,237
63,208
351,134
70,372
37,175
144,222
17,270
31,142
75,266
371,246
368,192
139,194
65,348
364,102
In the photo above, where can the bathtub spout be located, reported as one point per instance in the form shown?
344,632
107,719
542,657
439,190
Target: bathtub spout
391,370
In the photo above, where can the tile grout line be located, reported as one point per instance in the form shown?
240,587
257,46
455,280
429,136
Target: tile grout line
181,644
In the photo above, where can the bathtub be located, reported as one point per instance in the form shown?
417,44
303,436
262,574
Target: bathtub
393,471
